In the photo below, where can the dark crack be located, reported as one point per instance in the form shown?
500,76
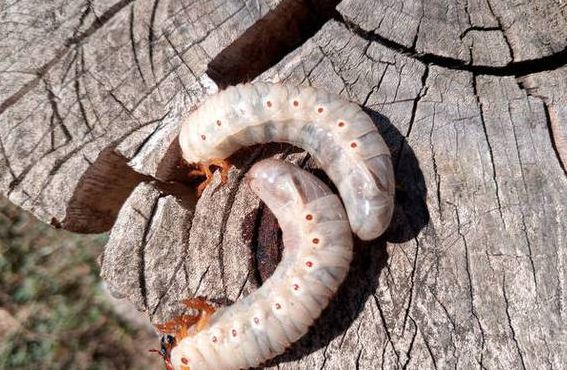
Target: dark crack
358,357
133,44
77,87
385,327
551,129
56,120
150,136
490,151
122,105
437,176
471,288
142,251
74,40
501,29
412,282
410,348
431,354
7,161
478,29
523,217
255,244
508,316
152,36
514,68
180,56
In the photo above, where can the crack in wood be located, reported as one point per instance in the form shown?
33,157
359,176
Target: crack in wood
141,250
556,139
385,326
321,345
82,109
412,285
76,39
410,347
133,44
149,137
509,317
152,36
513,68
490,150
478,29
56,120
470,283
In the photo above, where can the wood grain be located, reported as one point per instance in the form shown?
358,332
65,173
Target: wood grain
470,97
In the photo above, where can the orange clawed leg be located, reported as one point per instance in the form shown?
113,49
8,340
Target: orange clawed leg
180,325
204,169
205,309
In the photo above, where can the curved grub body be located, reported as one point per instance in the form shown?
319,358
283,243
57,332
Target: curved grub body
317,255
339,135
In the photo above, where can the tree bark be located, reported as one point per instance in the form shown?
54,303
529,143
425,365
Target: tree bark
471,98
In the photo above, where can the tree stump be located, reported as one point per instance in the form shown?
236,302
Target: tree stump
470,97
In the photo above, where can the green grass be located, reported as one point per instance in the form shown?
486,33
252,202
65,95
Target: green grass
50,286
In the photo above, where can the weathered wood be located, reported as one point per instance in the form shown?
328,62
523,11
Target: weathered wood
79,78
470,97
470,270
482,32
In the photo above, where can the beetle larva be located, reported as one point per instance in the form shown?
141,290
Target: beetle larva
339,135
318,251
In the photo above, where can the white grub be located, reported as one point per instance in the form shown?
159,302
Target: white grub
316,259
337,133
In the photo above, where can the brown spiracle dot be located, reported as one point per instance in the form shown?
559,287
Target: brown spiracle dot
269,104
315,240
295,103
341,124
309,264
309,217
219,123
320,110
214,339
184,360
234,333
353,145
256,320
295,287
278,306
203,137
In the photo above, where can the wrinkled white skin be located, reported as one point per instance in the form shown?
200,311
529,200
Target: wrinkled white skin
339,135
317,255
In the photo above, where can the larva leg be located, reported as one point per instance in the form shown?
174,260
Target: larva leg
204,169
205,309
178,326
223,165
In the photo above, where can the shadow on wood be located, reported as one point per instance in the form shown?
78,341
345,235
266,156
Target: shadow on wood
410,216
100,193
410,212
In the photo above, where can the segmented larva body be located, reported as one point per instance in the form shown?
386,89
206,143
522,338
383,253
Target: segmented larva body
339,135
317,255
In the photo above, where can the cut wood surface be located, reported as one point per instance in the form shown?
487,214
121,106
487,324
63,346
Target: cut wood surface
471,98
